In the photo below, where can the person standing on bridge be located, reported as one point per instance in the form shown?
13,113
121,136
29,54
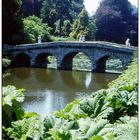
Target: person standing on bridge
39,39
83,38
127,43
80,38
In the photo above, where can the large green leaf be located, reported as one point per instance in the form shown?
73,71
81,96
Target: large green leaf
97,106
27,128
96,127
11,107
123,102
72,111
10,93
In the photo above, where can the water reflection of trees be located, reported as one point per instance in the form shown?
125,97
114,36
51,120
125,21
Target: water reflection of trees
65,81
45,75
22,73
42,75
21,60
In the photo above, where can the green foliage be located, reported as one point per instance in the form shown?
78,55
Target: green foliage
123,103
57,135
96,128
105,114
64,27
96,138
10,93
124,82
82,62
60,14
83,25
27,128
96,107
126,128
11,109
5,64
72,111
34,27
58,38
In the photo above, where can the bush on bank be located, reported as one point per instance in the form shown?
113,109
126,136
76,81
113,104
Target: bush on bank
103,115
34,27
5,63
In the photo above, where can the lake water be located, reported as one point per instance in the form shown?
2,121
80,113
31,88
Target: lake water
48,90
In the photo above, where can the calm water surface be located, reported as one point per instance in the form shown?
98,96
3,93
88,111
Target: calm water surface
49,90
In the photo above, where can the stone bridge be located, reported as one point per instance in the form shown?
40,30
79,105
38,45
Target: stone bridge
35,55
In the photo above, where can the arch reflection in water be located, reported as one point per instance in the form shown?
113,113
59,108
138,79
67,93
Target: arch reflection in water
45,75
23,73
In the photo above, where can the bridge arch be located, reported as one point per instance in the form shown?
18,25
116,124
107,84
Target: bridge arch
21,60
42,60
107,62
68,61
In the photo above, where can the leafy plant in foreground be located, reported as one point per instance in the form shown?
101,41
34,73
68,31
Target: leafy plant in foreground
11,109
27,128
126,128
96,107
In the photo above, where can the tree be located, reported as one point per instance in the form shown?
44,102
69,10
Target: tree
83,25
48,12
12,29
76,8
34,27
63,13
56,12
113,20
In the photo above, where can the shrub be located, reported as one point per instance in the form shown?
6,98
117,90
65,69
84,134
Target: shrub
34,27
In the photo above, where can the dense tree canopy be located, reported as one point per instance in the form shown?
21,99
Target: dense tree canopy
12,30
114,20
60,13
